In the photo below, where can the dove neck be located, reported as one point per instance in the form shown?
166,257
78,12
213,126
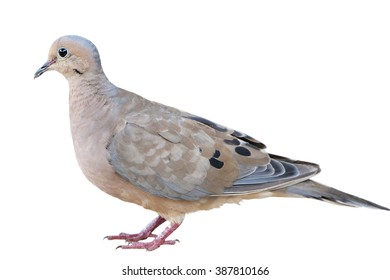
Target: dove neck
89,86
89,93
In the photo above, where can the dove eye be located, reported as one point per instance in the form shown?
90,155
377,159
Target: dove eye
62,52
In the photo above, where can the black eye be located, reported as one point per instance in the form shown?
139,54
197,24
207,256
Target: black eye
62,52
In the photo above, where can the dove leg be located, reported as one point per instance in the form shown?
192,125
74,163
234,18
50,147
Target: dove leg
143,234
155,243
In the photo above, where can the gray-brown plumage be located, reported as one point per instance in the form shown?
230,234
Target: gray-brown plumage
164,159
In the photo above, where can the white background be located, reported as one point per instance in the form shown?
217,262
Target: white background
309,79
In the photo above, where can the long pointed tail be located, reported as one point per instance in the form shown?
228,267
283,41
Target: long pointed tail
312,189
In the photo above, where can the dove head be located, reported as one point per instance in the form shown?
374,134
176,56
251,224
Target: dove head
72,56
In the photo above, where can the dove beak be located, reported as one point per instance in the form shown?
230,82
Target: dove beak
44,68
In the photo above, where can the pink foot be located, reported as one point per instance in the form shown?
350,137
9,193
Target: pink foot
130,237
150,246
145,233
133,239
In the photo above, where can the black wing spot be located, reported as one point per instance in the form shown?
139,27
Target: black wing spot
209,123
248,139
217,154
243,151
238,134
234,142
216,163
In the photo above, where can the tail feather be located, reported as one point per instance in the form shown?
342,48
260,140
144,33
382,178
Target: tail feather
312,189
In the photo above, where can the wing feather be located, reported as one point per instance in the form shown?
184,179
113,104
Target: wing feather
180,156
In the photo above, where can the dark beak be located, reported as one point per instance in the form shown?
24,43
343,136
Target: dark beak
44,68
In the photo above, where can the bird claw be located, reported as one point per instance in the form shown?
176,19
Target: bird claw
149,246
130,237
158,240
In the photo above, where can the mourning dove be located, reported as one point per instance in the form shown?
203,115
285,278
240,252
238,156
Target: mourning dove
164,159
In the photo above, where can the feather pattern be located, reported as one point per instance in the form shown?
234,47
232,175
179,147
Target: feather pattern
176,155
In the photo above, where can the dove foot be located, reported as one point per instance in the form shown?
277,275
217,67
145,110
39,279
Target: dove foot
147,232
149,246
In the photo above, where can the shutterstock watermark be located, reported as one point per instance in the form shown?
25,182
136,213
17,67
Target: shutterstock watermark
179,271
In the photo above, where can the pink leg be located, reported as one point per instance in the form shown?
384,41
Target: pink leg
145,233
155,243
